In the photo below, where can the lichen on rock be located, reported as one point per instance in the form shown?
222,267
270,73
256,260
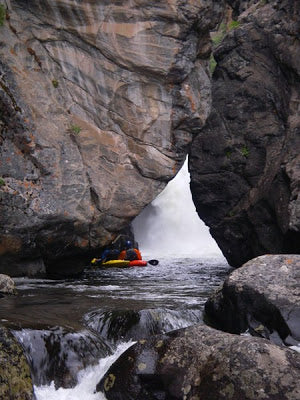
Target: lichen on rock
15,378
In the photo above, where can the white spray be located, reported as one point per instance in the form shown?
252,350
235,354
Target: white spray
170,226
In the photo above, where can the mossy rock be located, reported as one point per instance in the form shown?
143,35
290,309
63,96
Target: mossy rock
15,378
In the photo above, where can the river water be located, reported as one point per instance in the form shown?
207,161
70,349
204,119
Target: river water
93,319
73,330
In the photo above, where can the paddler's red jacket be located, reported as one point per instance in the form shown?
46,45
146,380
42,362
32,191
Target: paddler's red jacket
122,255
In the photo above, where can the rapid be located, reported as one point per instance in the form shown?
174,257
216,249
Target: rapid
73,330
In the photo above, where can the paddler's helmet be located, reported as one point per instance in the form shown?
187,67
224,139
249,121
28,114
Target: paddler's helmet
128,244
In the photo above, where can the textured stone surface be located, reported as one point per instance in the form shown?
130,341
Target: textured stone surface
15,379
201,363
99,102
245,163
263,296
7,285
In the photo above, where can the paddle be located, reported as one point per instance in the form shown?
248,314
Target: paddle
153,262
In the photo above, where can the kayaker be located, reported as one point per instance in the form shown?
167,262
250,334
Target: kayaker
130,253
107,254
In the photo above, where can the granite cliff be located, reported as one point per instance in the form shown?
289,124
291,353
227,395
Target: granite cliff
245,163
99,102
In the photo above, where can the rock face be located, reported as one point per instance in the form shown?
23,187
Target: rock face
245,163
99,102
200,362
263,296
15,379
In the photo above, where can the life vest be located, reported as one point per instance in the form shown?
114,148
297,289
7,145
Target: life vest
130,254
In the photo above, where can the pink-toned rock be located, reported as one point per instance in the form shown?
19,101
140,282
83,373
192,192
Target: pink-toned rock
99,102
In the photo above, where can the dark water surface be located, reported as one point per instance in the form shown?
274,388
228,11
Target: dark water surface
175,284
72,330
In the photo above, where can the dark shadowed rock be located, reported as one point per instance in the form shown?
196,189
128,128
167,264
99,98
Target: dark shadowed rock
245,164
263,296
15,379
239,6
201,363
99,102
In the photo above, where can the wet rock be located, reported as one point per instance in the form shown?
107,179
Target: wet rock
99,102
125,325
263,297
58,354
15,379
7,285
199,362
244,165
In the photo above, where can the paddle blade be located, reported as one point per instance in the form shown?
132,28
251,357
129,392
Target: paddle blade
153,262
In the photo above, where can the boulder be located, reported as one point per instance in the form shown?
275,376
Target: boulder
7,285
15,378
99,103
262,297
244,164
202,363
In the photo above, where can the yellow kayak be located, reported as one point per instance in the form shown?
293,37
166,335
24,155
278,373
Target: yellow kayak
115,263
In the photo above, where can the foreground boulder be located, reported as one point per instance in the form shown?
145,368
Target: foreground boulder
263,297
245,164
201,363
15,379
99,102
7,285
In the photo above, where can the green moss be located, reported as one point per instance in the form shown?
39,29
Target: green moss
228,153
55,83
2,182
245,151
218,36
75,129
212,64
2,14
15,376
233,25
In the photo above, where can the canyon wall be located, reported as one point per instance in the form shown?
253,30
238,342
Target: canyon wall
245,163
99,102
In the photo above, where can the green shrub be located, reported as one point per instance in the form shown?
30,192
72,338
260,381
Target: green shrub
212,64
245,151
75,129
233,25
2,182
218,36
55,83
228,153
2,14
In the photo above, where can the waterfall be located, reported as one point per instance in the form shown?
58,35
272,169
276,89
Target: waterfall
170,225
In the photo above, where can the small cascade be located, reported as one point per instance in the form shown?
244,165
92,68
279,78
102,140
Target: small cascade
171,226
87,381
124,325
57,355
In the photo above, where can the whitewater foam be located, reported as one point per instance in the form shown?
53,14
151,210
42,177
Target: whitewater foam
87,381
170,226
